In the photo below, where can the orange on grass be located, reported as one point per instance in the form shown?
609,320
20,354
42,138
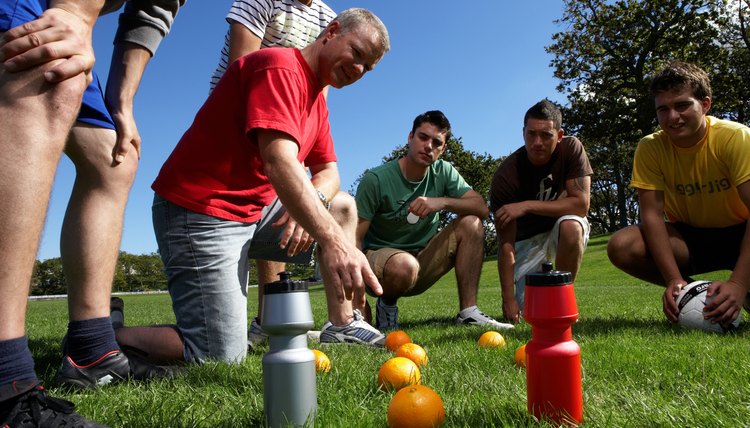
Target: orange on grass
416,406
322,362
520,356
413,352
396,339
491,339
397,373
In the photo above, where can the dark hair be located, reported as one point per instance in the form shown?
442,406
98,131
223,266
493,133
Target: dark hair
544,110
678,75
435,117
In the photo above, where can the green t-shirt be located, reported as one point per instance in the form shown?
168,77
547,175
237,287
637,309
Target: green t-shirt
383,198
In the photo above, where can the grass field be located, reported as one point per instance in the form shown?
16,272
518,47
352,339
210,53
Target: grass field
638,370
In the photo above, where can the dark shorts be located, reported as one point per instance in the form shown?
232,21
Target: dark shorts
93,111
712,249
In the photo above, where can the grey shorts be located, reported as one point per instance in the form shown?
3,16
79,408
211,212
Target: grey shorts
206,262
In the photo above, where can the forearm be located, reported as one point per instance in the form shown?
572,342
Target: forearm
327,181
300,199
466,206
125,72
557,208
741,271
657,242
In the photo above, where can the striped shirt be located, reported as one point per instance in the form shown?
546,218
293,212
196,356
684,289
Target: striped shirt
287,23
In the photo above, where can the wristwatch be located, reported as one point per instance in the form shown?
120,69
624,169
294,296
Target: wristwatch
323,199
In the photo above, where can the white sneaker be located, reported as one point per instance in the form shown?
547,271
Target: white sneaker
256,336
477,317
357,332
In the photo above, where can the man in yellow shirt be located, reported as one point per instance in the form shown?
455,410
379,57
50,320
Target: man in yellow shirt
693,182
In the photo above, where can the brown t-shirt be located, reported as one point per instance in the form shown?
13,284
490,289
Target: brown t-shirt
516,180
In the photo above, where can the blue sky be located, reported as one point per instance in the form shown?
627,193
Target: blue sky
482,63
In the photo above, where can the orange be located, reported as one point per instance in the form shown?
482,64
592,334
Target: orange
413,352
322,363
397,373
520,356
396,339
491,339
416,406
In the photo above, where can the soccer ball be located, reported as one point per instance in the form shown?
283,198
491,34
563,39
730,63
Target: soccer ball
690,302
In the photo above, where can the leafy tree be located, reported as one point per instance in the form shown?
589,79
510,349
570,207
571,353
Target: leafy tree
604,60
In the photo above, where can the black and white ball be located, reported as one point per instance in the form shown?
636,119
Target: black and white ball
690,302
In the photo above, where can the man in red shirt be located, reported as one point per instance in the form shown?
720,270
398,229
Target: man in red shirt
265,118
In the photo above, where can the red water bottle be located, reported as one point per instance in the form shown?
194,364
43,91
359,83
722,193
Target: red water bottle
553,358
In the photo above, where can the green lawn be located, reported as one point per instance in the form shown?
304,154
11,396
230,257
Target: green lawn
638,370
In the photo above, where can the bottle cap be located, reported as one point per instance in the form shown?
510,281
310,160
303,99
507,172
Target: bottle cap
285,285
549,277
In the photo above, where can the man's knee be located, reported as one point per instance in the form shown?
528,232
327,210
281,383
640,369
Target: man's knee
402,268
470,226
571,233
90,148
344,208
621,246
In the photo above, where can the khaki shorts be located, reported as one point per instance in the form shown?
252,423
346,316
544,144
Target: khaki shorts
435,260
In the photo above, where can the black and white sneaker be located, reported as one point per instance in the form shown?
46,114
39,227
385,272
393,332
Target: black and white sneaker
115,366
356,332
25,404
111,367
477,317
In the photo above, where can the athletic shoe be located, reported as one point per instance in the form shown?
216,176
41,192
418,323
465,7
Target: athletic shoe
115,366
477,317
386,316
116,312
142,369
111,367
26,404
357,332
255,334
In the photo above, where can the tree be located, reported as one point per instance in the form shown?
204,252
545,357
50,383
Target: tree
604,60
477,169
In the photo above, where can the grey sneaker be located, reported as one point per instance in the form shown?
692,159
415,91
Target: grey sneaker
116,312
26,404
386,316
477,317
255,334
357,332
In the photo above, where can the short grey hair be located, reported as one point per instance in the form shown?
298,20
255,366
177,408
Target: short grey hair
354,18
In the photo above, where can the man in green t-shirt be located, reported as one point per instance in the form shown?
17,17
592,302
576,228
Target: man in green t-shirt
398,204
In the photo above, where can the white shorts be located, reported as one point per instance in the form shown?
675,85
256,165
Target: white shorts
532,252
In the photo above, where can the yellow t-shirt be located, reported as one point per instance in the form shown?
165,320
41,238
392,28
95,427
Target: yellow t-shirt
700,182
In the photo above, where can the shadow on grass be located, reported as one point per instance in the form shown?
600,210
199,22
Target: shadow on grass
47,358
597,326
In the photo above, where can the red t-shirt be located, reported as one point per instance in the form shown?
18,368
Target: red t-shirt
216,168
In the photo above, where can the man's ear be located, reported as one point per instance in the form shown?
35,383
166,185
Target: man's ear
706,104
560,134
332,30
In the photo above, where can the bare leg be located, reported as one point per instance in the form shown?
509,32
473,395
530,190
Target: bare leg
469,259
268,271
627,250
344,211
35,118
399,276
162,344
570,247
91,232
